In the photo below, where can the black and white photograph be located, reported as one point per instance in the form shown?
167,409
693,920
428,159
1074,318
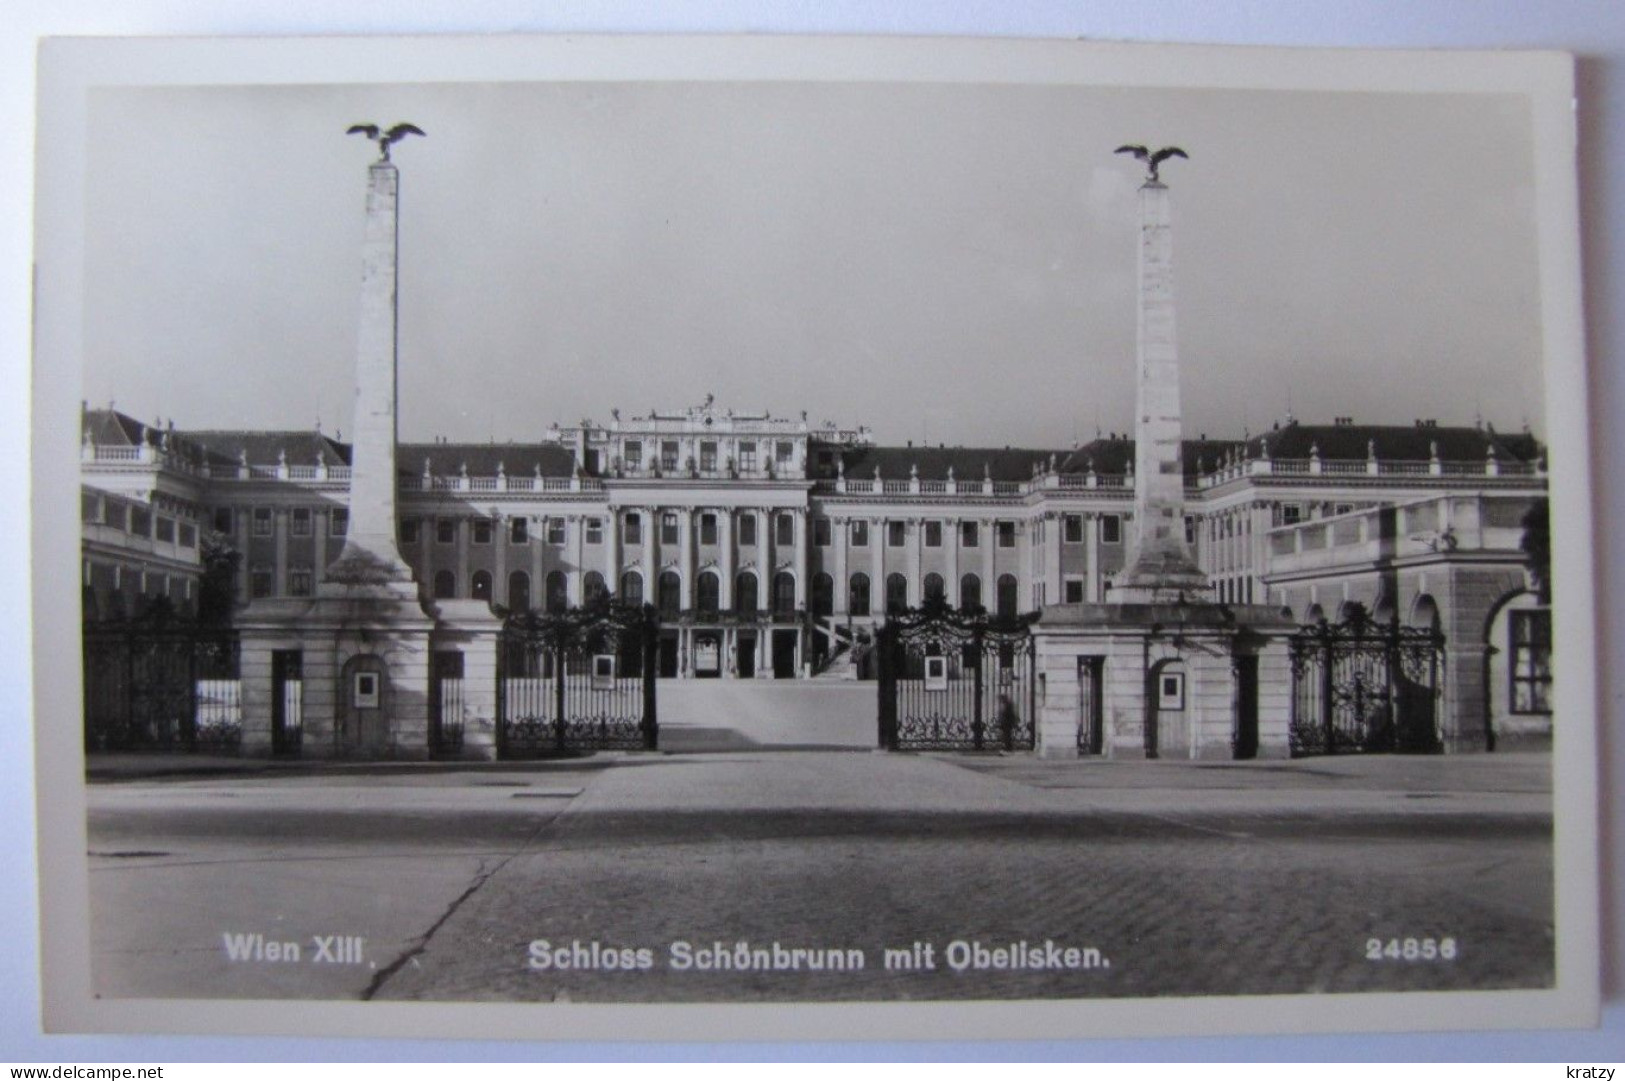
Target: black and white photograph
1057,537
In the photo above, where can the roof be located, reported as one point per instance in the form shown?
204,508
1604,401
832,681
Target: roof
1393,442
482,459
1112,456
933,463
268,448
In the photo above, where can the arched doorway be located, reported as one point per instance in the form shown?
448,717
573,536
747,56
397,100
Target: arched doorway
970,593
519,591
670,600
933,588
631,588
558,592
784,594
708,594
745,599
896,593
480,586
593,588
1007,596
857,598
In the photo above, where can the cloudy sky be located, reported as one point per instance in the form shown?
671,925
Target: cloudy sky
948,263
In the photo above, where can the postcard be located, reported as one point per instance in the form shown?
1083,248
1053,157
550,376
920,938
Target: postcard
675,538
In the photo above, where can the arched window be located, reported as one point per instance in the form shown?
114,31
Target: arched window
896,592
934,588
480,586
593,587
970,592
784,594
857,598
558,592
823,595
445,585
708,593
519,591
1007,596
745,599
631,588
671,593
1425,613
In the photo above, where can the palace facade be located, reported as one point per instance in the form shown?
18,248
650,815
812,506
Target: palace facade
774,547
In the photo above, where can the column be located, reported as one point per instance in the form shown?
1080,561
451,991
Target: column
320,526
1091,559
990,579
244,538
499,570
839,537
574,540
916,559
280,583
801,569
462,557
877,566
950,548
538,577
1054,542
764,556
725,563
651,546
612,550
685,557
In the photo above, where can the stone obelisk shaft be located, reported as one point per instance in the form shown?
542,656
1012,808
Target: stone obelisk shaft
371,555
1159,566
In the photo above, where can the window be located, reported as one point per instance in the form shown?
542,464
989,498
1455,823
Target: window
747,530
299,581
858,596
188,535
555,532
896,533
634,529
708,593
784,594
90,510
708,456
262,521
518,530
1074,591
821,532
933,534
166,530
259,581
786,530
482,534
445,585
480,586
140,522
1531,661
968,537
1190,530
860,539
595,531
223,520
1072,529
708,529
445,530
934,588
745,592
668,456
1343,508
593,587
113,515
338,522
1007,534
1111,529
1291,513
896,593
632,588
670,587
747,457
558,592
300,518
823,595
409,530
519,591
1007,596
970,592
783,452
634,454
668,528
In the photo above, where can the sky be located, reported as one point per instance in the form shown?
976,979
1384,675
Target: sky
941,262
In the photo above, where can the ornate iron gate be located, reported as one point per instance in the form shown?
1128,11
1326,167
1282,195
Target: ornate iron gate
1365,687
582,679
159,682
954,680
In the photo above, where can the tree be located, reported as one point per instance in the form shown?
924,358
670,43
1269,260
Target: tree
217,587
1537,548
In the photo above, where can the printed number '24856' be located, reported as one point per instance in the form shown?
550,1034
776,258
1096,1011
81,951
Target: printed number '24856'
1410,949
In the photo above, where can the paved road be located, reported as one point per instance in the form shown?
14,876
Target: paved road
1186,878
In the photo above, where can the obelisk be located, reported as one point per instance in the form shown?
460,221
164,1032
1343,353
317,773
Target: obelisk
371,556
1159,567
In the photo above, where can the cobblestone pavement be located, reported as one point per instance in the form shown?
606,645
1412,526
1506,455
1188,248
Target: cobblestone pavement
1188,879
